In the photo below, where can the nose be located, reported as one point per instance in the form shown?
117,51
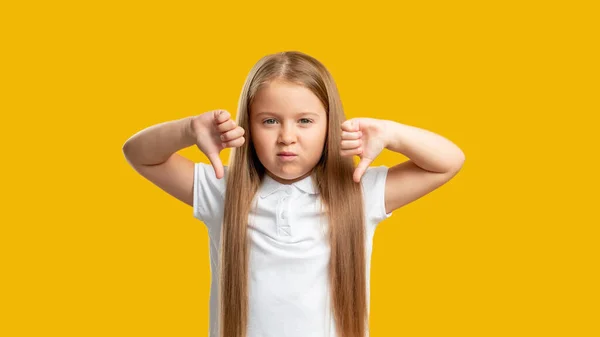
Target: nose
287,134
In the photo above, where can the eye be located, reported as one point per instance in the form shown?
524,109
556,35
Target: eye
306,120
268,121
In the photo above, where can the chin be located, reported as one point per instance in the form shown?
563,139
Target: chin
286,174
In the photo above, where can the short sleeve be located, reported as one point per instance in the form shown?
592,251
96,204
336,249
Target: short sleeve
373,186
209,194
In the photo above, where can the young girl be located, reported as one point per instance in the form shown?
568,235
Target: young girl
290,219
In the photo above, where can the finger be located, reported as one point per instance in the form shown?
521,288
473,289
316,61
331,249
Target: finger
351,135
221,116
361,169
226,126
350,144
232,134
350,126
235,143
217,165
352,152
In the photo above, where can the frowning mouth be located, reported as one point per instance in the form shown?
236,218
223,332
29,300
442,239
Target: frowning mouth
287,156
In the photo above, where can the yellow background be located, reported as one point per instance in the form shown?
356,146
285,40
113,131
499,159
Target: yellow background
509,247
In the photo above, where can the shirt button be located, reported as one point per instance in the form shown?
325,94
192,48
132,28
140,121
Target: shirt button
288,190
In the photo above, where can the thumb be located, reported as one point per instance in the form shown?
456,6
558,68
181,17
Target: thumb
217,165
361,168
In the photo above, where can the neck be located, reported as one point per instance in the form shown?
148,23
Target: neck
287,181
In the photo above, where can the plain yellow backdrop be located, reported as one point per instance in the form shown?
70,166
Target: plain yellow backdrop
509,247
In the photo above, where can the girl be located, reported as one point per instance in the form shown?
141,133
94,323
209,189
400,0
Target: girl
290,219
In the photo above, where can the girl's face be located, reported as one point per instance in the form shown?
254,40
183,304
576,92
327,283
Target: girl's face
288,126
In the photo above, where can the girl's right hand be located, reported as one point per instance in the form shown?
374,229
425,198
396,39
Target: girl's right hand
215,131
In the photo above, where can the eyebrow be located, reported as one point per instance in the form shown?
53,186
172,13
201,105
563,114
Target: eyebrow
297,114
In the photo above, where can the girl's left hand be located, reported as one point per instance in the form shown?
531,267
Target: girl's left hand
363,137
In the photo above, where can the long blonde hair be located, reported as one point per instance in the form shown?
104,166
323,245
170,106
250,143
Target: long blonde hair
340,195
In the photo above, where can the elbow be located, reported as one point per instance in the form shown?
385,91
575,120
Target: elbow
457,162
127,150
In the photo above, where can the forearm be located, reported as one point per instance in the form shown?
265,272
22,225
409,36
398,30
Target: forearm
155,144
426,149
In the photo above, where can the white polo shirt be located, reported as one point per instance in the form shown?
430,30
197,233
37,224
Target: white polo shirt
288,285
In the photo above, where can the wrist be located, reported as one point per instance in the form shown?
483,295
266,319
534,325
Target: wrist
190,129
387,130
394,136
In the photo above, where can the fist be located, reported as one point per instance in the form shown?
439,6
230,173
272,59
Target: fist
365,138
230,134
215,131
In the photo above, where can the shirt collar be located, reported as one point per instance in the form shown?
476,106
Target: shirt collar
270,186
